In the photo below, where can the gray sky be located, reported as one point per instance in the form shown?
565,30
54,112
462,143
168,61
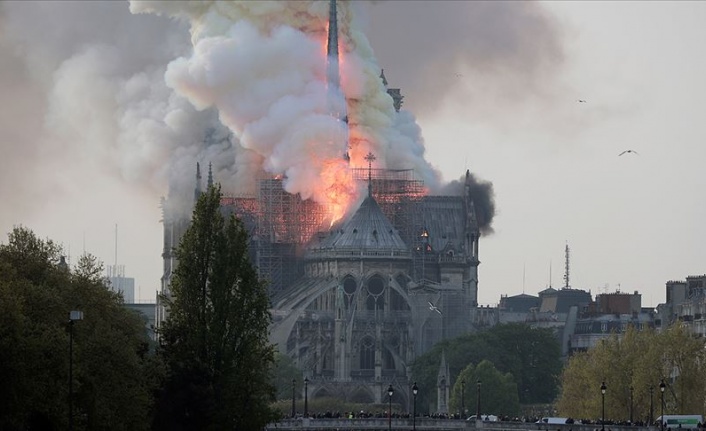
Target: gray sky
494,86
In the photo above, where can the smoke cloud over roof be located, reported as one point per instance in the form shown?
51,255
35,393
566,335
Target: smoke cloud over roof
240,84
481,55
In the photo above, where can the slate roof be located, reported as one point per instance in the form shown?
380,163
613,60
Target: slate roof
368,230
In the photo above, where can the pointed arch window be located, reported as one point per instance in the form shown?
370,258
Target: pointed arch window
375,288
367,354
349,288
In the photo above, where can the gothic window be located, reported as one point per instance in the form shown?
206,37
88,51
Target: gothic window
388,361
349,285
327,361
349,288
375,299
376,285
374,303
367,354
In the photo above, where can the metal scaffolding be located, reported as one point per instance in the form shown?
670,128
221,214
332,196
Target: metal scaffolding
281,223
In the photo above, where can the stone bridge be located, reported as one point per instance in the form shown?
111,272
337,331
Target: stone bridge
429,424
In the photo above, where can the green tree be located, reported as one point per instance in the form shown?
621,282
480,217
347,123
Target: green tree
284,371
214,341
531,355
110,366
637,360
498,391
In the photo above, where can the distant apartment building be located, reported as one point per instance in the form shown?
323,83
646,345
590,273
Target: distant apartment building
618,303
117,282
578,320
686,303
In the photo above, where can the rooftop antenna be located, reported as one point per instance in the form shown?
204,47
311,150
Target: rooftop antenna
116,245
370,157
550,273
566,267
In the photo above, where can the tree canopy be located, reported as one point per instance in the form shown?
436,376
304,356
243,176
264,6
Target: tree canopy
112,371
639,360
282,374
214,342
531,355
498,391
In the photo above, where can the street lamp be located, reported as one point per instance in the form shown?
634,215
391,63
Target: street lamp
73,316
651,418
390,391
415,389
463,393
306,397
478,401
294,406
603,406
661,419
632,393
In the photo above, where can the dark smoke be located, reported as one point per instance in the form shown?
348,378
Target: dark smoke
483,52
45,44
483,197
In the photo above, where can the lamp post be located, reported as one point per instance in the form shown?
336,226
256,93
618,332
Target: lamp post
415,389
651,418
73,316
390,391
632,393
306,397
603,406
478,401
661,419
294,406
463,393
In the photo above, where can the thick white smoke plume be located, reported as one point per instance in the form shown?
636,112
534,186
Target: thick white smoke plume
85,96
263,66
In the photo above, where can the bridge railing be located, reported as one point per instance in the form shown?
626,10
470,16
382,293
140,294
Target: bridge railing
433,424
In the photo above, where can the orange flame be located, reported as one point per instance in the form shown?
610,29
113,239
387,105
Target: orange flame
338,187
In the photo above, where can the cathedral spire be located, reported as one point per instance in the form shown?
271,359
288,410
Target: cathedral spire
332,48
333,76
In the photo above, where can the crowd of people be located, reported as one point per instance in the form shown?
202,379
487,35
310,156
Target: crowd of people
383,414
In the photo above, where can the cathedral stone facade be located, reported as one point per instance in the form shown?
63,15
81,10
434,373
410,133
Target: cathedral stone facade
354,305
368,302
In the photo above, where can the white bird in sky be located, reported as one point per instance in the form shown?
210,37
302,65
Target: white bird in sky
629,151
433,307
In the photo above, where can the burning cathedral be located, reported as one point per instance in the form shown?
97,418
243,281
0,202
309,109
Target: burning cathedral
358,294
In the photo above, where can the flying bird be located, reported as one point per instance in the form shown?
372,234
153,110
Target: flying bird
581,101
629,151
458,75
433,307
